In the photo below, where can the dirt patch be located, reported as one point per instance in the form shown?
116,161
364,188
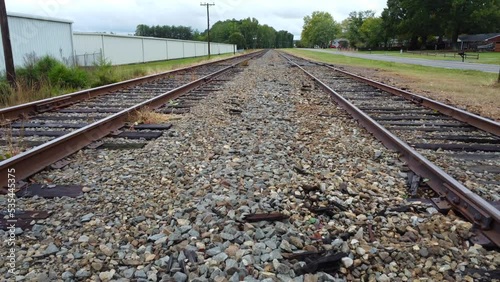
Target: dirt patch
483,105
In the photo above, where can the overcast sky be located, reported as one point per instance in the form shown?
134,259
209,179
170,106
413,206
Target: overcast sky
122,16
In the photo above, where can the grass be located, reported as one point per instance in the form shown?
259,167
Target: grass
12,147
484,57
474,91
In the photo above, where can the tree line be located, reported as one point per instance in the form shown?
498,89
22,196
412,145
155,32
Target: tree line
415,24
167,31
246,34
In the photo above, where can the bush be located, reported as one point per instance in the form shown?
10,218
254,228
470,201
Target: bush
64,77
37,72
103,73
5,90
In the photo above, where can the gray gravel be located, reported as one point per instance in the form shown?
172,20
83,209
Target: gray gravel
174,210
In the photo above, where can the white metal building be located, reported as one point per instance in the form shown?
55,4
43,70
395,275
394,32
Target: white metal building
39,36
122,49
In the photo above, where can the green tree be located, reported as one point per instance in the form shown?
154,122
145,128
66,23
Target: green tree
371,32
352,25
319,29
266,37
418,20
238,39
471,16
249,29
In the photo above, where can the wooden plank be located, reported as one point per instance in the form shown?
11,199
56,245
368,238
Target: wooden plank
122,146
94,110
41,124
474,157
153,126
146,135
437,124
69,117
483,168
429,129
465,139
21,219
411,117
26,133
50,191
458,147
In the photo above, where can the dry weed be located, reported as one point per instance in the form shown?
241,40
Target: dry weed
148,116
12,147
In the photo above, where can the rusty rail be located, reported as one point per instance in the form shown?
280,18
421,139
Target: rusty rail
27,109
36,159
477,210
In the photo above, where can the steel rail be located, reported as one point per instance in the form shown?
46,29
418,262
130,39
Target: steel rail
477,210
27,109
36,159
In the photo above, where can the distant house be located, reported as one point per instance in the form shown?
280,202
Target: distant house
478,42
339,43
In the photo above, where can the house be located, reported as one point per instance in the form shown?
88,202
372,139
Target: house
339,43
477,42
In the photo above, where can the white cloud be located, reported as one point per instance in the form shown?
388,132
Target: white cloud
122,16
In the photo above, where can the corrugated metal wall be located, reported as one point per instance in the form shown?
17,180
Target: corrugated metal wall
120,49
40,36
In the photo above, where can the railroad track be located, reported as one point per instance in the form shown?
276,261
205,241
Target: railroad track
58,127
422,130
251,180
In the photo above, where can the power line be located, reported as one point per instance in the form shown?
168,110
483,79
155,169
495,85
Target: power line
208,24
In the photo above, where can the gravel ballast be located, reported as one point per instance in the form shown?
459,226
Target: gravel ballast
268,142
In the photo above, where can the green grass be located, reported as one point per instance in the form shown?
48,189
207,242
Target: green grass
334,58
484,57
473,90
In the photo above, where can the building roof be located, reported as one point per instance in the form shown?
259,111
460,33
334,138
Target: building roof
477,37
36,17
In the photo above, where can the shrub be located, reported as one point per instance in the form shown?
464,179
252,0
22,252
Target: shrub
64,77
5,91
103,73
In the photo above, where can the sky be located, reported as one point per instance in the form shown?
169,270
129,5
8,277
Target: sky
122,16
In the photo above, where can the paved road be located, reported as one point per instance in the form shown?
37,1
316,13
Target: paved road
424,62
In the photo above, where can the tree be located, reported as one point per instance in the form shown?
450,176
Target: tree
319,29
371,32
238,39
266,37
249,28
418,20
284,39
352,25
246,33
472,16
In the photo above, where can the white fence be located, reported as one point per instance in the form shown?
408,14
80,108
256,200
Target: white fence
120,49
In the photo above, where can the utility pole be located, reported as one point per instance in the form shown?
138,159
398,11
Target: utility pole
208,24
7,48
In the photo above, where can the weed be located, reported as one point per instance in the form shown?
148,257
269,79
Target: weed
148,116
64,77
12,147
103,73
